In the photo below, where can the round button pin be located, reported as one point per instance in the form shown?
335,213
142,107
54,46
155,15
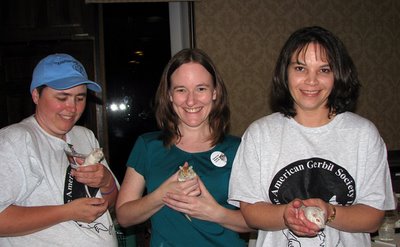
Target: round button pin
218,159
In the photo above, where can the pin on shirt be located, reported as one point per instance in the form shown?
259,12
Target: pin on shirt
219,159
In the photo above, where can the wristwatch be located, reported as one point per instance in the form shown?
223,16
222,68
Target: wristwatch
332,216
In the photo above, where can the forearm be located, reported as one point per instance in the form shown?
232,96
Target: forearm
110,193
17,220
264,216
357,218
139,210
232,219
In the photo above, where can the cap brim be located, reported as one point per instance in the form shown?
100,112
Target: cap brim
70,82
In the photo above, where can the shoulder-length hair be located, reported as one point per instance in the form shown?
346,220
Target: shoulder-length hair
346,84
168,120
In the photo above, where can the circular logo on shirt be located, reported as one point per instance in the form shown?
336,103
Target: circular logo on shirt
313,178
219,159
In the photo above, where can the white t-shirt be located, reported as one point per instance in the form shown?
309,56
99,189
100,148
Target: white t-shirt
33,173
343,162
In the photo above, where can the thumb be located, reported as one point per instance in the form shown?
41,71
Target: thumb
297,203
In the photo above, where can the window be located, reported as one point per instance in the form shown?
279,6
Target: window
137,46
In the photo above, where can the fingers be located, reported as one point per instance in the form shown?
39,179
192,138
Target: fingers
177,202
79,160
300,227
191,187
94,175
195,192
90,168
296,221
94,201
297,203
304,232
87,209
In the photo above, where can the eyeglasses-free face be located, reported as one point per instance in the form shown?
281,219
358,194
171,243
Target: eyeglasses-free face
192,94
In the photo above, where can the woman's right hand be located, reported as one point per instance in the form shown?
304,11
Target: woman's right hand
172,185
134,208
296,221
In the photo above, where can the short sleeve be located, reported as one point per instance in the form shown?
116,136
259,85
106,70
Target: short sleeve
245,181
138,156
375,191
19,171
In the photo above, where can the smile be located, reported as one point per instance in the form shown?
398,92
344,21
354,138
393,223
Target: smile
193,110
310,92
67,117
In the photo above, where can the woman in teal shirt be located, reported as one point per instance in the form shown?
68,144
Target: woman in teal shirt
193,115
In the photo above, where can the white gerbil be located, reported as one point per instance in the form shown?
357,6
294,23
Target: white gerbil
315,215
94,157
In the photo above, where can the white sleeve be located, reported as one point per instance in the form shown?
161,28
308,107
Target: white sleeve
376,187
19,170
245,181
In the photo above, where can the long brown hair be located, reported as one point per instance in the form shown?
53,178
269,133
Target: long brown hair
168,120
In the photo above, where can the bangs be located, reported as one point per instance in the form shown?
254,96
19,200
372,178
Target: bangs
319,50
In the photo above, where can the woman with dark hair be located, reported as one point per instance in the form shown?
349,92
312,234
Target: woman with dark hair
346,85
313,154
185,167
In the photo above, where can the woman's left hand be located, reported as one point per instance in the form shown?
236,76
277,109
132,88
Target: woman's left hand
95,176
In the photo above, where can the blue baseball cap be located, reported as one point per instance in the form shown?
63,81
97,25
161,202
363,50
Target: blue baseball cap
61,71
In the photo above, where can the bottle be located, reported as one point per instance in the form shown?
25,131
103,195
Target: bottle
387,229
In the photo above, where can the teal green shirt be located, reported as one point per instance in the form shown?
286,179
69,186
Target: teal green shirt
157,163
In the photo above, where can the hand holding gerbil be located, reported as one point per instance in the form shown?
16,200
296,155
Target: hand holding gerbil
319,212
316,213
296,221
185,173
95,176
173,185
203,206
92,173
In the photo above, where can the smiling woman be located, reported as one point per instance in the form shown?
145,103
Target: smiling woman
314,149
42,193
192,95
58,111
193,114
310,84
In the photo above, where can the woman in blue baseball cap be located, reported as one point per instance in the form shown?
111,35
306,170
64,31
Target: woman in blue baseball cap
61,71
42,202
